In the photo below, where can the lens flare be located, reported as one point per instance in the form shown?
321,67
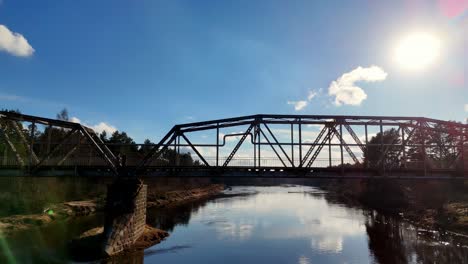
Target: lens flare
417,51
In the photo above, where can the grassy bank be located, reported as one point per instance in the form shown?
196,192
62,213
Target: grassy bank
161,193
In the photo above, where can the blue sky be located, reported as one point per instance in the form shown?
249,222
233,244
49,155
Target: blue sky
143,66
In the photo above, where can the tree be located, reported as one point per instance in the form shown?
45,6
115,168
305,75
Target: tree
433,146
147,146
374,152
121,143
63,115
415,154
439,138
103,136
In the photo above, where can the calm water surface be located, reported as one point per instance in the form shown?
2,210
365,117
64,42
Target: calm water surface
294,225
284,224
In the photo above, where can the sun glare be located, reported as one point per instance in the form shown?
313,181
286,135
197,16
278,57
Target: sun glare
417,51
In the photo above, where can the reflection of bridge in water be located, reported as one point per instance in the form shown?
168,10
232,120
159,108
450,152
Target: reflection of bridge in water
256,145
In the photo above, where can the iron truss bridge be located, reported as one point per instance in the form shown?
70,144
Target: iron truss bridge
255,145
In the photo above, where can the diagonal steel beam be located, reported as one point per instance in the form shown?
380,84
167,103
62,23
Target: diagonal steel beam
317,139
70,152
194,149
54,149
328,137
7,139
164,148
239,144
170,135
279,145
25,142
355,137
111,163
65,157
101,143
345,145
273,147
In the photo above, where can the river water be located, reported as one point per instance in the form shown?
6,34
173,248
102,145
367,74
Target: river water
282,224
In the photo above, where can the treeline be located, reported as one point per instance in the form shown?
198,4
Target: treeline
439,147
119,142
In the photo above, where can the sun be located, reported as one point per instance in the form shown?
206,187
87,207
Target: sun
417,51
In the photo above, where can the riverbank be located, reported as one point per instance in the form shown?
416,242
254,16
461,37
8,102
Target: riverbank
157,197
430,204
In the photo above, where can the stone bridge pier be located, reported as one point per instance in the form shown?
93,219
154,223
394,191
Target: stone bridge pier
125,217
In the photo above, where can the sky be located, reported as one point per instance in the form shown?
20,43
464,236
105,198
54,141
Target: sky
144,66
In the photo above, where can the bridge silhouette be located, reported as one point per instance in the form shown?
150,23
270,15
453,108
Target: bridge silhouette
256,145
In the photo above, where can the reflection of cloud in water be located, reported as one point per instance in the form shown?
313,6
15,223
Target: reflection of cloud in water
326,225
303,260
327,244
236,231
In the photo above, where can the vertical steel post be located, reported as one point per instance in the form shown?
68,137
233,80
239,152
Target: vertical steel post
78,149
463,139
300,141
258,151
366,155
31,143
341,148
49,135
329,147
255,147
382,147
423,139
292,144
176,158
403,145
178,145
217,144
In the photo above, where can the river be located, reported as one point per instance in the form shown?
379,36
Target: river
281,224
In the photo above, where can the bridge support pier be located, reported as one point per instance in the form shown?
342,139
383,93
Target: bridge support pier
125,217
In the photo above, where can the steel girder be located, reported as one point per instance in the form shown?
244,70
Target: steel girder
86,132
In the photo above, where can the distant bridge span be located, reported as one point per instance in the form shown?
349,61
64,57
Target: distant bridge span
256,145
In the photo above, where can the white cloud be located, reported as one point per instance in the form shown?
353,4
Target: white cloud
298,105
466,107
345,90
99,128
14,43
311,95
75,120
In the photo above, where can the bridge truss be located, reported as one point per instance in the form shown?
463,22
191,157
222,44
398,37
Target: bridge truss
259,144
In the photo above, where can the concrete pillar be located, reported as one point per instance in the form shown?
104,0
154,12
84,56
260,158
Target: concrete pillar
125,217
